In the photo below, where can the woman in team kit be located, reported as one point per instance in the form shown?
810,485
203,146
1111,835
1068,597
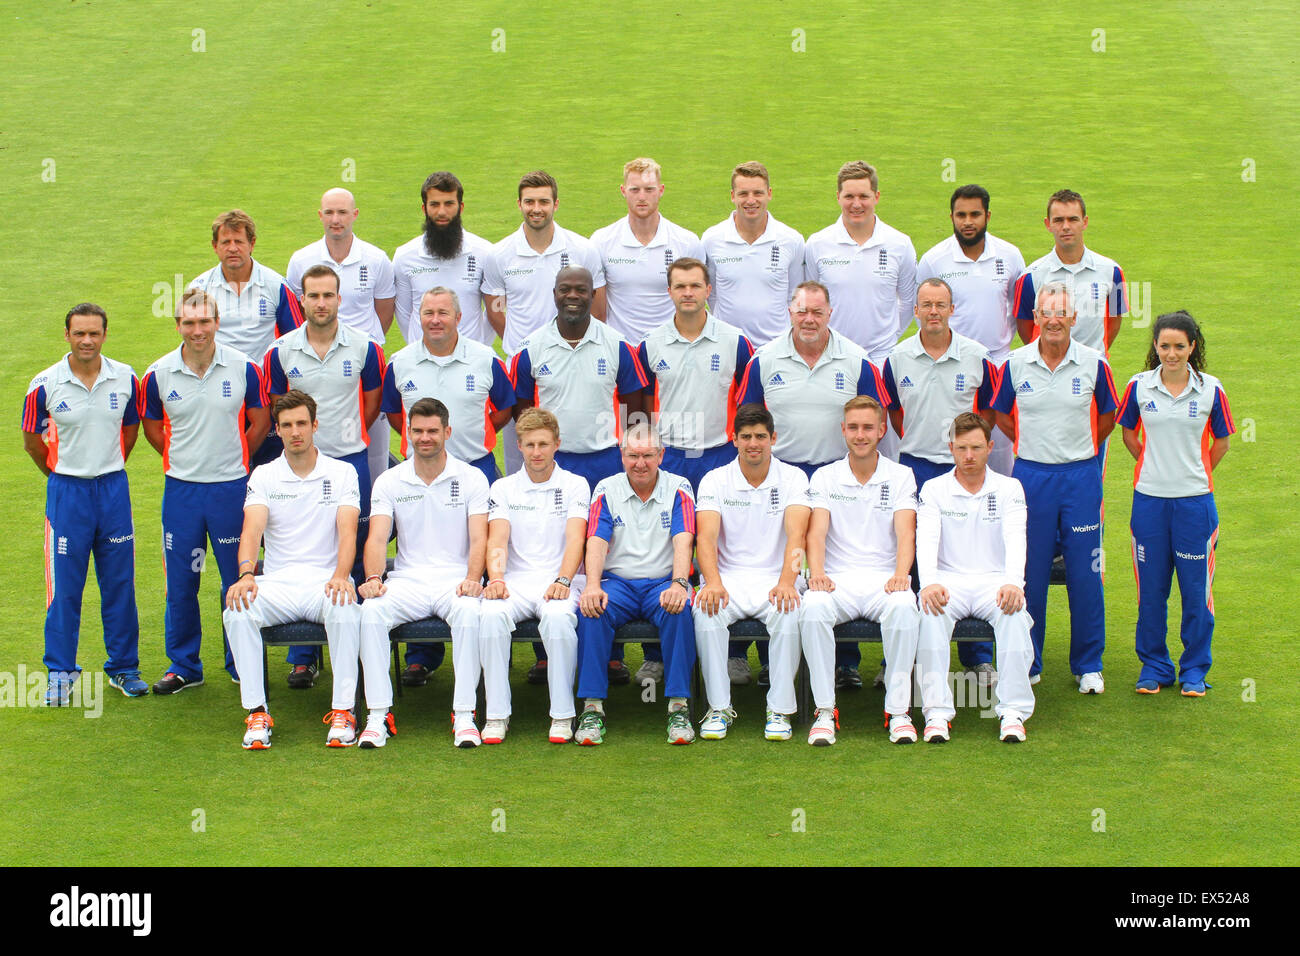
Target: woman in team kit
1176,424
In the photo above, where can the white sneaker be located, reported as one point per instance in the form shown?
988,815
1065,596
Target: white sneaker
379,727
1091,683
822,732
680,730
258,735
986,675
715,723
936,731
1013,729
901,729
494,730
464,733
738,671
777,727
650,671
561,731
343,728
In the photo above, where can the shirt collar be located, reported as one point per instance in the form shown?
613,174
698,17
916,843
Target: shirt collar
107,370
661,493
341,339
1071,354
322,251
739,482
989,486
406,472
843,472
731,234
1087,261
457,353
626,238
710,330
916,348
559,242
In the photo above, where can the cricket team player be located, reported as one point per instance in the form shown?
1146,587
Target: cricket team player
305,505
80,422
970,553
861,542
444,254
366,293
640,534
1056,400
755,260
537,531
204,410
438,505
636,251
751,518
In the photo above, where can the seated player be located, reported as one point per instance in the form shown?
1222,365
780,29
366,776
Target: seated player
970,551
439,505
751,518
306,504
537,527
639,539
861,541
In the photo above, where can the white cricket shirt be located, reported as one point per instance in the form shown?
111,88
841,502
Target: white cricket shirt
752,283
636,276
861,535
979,534
640,533
751,539
432,520
538,512
365,275
301,529
84,425
932,392
1177,432
983,289
415,272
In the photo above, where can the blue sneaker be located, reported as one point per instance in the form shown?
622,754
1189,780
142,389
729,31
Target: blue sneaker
1195,688
129,683
1149,685
58,691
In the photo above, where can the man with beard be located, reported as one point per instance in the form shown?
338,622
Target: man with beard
981,270
443,254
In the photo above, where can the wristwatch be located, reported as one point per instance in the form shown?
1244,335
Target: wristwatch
563,580
684,582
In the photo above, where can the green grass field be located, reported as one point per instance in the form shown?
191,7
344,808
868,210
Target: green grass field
125,130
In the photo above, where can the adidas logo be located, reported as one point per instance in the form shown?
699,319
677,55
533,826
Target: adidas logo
906,382
174,396
661,366
294,373
409,386
544,370
1150,406
776,380
62,407
1024,388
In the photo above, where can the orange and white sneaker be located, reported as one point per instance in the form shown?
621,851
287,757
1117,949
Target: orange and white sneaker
825,723
464,733
258,735
378,730
343,728
1013,729
937,730
494,730
901,729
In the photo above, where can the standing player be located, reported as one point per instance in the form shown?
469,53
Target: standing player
861,542
931,378
343,372
519,276
751,520
636,251
537,528
306,504
970,552
981,270
589,377
755,261
1097,283
804,378
639,540
80,422
439,505
366,292
1056,401
444,254
1170,414
869,268
204,410
695,364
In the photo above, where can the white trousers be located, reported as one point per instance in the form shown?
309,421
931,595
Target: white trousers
411,599
557,622
293,597
747,596
976,596
377,452
861,594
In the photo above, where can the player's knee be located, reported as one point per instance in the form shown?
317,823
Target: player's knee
818,608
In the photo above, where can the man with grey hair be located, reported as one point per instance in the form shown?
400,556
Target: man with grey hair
1056,400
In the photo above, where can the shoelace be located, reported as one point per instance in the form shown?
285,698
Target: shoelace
338,719
260,720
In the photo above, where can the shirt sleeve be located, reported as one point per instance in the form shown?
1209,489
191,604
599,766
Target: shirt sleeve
131,414
350,492
905,499
276,381
293,274
815,496
494,282
643,356
906,288
152,407
1221,423
578,494
683,511
476,495
381,497
35,414
707,500
631,377
869,383
402,300
390,401
1014,517
372,373
521,376
1004,399
256,493
795,274
385,288
744,352
600,522
1117,301
255,395
1022,299
1103,391
502,393
985,394
891,387
1129,415
591,258
751,384
288,314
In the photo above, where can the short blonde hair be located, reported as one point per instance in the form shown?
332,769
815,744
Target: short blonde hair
533,419
197,297
642,164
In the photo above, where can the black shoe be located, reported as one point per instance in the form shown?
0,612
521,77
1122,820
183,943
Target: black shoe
618,673
537,673
763,679
847,678
415,675
170,683
303,676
